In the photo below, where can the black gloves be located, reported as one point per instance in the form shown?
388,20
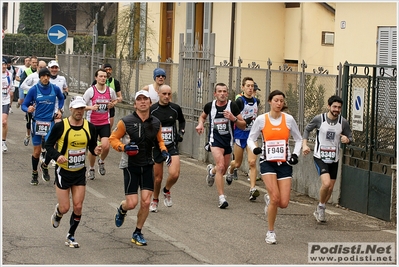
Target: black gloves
293,160
248,120
179,136
257,150
167,157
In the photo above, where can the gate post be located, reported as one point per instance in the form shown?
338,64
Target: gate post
393,195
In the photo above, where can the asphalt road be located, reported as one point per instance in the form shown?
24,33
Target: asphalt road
193,231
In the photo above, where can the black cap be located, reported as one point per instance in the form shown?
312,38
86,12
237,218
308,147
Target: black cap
44,71
107,65
256,88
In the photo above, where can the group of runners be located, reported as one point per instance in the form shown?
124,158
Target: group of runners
149,137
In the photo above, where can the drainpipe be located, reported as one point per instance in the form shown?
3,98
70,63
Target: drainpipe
232,37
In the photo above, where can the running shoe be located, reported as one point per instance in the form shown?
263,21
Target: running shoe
138,239
229,176
11,110
26,140
101,168
271,238
91,174
53,163
223,203
119,217
45,174
235,174
320,214
168,200
18,105
154,206
210,178
4,147
55,218
34,180
71,242
267,201
253,194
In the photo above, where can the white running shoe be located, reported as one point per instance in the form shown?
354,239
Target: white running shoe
271,238
229,176
320,214
168,200
222,202
154,206
4,147
70,241
210,178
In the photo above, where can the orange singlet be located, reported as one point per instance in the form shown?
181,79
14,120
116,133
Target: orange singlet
275,139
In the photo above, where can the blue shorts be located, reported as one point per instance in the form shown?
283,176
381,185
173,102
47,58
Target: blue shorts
21,94
282,170
241,143
37,139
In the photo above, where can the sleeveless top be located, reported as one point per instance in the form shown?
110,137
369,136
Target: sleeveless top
73,145
327,140
101,116
249,110
153,94
275,139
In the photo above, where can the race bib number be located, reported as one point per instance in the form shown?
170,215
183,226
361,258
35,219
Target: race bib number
102,105
76,158
221,125
167,135
5,92
328,154
42,127
276,150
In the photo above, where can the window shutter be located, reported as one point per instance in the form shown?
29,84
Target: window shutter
207,25
387,46
190,22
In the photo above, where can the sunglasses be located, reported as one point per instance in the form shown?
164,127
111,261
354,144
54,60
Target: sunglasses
158,76
166,93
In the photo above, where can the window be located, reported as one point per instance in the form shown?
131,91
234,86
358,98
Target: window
327,38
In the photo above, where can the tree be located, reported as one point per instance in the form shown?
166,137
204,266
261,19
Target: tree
31,19
106,13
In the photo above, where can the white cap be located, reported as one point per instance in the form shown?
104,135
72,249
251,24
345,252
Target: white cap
77,102
53,63
142,92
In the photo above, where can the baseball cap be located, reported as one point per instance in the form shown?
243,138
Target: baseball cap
158,72
142,92
107,65
53,63
4,61
256,88
44,71
77,102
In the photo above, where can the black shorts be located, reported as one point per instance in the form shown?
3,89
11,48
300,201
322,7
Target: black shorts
103,130
135,176
322,167
173,150
112,112
66,179
227,149
282,170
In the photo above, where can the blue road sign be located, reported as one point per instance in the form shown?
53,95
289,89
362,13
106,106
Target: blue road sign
57,34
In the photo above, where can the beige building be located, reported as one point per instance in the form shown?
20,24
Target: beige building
320,34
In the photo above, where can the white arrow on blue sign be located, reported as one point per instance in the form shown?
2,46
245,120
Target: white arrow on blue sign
57,34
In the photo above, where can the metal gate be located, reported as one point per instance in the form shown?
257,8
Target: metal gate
370,105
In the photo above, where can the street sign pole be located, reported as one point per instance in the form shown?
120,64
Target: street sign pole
57,35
